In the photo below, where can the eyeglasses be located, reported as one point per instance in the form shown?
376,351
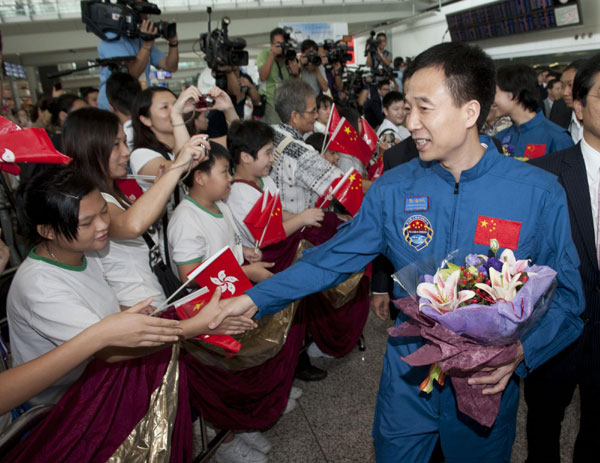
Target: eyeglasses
313,111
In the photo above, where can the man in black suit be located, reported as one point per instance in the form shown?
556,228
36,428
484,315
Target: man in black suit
549,389
373,108
562,110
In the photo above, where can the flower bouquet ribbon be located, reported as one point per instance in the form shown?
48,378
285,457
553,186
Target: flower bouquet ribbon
473,316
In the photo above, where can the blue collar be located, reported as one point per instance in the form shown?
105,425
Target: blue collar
490,158
534,122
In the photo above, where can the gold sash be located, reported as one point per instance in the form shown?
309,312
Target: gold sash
150,440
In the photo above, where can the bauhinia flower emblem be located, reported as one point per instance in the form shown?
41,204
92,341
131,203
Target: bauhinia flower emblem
224,282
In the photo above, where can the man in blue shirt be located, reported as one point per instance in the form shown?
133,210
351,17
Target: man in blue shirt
146,53
459,178
531,135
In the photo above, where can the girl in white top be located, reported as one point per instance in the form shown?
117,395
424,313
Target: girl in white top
95,140
250,144
159,126
202,224
57,292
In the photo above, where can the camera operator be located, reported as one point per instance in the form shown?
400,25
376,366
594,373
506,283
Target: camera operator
333,70
145,51
239,87
313,72
379,59
273,68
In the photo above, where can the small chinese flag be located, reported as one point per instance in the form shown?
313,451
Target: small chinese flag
130,188
534,151
345,139
369,136
191,305
350,193
375,171
334,120
347,190
505,231
26,145
265,220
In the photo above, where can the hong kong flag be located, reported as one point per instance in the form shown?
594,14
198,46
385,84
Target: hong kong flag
505,231
26,145
130,188
534,151
375,171
265,220
347,190
345,139
369,135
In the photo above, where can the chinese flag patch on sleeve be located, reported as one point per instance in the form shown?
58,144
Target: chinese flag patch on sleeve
534,151
505,231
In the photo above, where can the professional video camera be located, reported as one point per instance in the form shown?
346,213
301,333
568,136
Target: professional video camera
337,53
353,80
372,44
313,58
122,18
219,49
288,47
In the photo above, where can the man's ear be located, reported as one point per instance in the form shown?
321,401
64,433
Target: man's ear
46,232
385,112
578,108
472,112
199,178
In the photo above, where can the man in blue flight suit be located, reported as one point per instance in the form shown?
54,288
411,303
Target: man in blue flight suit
427,208
531,135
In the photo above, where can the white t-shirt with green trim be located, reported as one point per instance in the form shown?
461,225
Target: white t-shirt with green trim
242,199
195,234
48,304
126,264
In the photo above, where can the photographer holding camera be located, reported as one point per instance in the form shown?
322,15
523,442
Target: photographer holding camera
378,58
313,72
144,50
276,64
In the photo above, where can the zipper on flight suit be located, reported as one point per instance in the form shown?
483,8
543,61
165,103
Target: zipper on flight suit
451,236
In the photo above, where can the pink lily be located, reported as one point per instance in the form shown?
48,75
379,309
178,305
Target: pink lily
504,285
514,265
442,295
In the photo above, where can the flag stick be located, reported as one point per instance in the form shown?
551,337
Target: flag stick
327,127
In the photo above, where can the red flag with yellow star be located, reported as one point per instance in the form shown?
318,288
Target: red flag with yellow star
534,151
505,231
265,220
376,169
345,139
334,120
349,191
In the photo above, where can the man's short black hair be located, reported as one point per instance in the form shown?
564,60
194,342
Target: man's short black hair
521,81
307,45
85,91
587,74
351,115
391,98
381,34
469,71
382,83
398,61
276,31
541,69
552,83
121,90
248,137
574,65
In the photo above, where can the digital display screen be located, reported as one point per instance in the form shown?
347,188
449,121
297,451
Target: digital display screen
510,17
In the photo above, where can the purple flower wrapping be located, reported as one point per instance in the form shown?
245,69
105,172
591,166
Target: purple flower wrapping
502,322
459,357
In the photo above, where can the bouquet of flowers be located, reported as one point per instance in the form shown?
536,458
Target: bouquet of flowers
472,315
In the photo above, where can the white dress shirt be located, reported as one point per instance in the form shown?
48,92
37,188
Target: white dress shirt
591,158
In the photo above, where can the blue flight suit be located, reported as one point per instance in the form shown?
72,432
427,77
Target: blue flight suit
407,421
538,131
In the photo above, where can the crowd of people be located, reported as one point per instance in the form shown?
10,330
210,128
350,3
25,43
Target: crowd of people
158,184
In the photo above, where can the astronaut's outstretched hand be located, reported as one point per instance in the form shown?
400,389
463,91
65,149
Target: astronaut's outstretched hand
241,306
